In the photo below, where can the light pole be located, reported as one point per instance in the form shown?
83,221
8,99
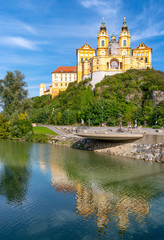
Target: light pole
102,115
88,122
68,116
136,117
121,116
156,113
156,108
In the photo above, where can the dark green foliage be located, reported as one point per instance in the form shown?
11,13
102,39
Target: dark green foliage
129,93
39,138
13,94
19,126
3,127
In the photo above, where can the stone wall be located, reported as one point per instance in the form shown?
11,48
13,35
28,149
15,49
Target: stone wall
99,76
149,152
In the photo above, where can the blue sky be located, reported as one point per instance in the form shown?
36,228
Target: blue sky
37,36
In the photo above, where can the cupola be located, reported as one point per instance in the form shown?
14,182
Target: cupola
113,37
103,27
124,27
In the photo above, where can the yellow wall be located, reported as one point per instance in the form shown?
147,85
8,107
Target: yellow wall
103,63
125,36
83,53
102,36
42,89
143,52
60,81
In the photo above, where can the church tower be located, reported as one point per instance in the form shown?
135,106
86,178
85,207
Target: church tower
124,39
102,40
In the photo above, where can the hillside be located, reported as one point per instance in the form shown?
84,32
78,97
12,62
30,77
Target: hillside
129,93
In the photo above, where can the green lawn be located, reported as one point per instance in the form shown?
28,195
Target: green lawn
43,130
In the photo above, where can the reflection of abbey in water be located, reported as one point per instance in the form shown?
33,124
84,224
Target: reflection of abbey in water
93,199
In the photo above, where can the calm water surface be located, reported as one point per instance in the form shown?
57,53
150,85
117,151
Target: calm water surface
51,192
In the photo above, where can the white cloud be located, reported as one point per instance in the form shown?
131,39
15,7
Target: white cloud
103,7
148,33
20,42
91,3
15,26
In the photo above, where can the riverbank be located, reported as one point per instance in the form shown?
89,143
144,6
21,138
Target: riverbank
149,148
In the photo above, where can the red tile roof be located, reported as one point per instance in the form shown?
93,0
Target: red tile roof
71,69
47,90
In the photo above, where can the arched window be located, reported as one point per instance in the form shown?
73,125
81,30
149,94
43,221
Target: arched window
124,43
102,43
114,64
146,59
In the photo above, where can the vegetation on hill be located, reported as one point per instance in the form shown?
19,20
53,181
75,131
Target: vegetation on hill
129,94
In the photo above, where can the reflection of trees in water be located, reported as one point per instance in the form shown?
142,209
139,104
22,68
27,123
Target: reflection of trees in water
15,172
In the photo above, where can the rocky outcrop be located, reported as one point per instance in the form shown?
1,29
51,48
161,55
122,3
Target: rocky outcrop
158,96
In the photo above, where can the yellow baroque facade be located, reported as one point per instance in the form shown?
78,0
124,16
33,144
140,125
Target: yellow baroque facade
83,54
112,56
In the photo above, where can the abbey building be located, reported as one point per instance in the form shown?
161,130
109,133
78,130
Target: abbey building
112,56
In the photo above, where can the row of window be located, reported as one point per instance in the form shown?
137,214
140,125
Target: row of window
82,59
61,84
137,54
146,59
65,80
86,55
66,74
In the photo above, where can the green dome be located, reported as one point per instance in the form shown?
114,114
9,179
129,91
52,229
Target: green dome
124,27
113,35
103,27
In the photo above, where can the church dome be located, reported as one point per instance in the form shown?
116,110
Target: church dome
113,37
124,27
103,27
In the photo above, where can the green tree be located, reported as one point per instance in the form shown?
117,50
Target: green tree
20,125
3,127
13,93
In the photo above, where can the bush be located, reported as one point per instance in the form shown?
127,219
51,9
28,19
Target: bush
156,127
20,125
3,127
37,138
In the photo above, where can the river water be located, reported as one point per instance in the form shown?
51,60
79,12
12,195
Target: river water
51,192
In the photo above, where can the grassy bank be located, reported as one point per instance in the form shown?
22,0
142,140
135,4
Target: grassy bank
43,130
